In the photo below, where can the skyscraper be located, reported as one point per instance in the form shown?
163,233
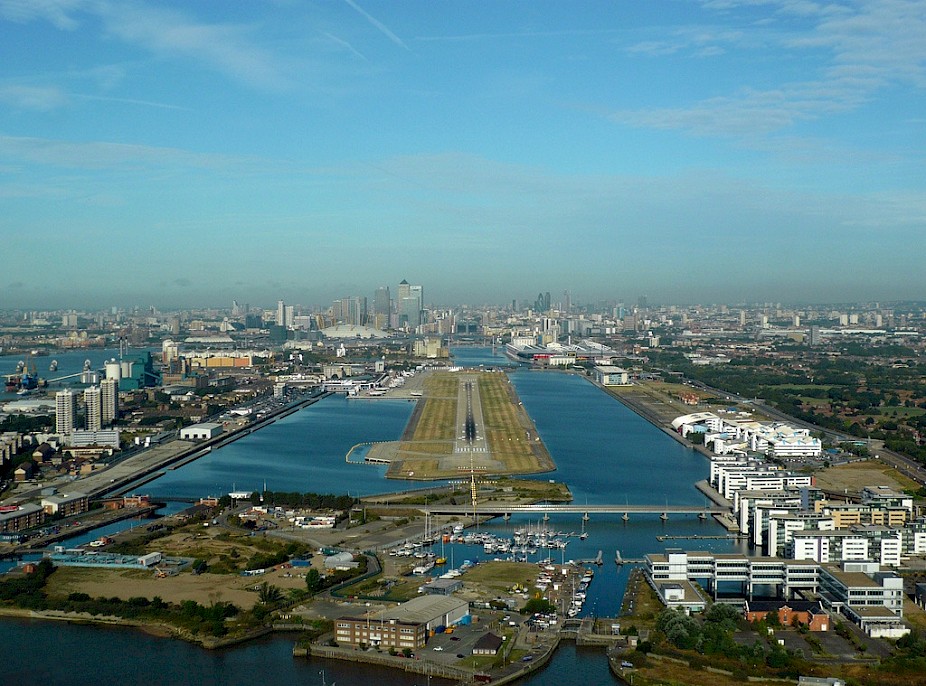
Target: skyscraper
381,301
409,304
351,310
109,390
281,313
382,308
403,291
93,400
65,411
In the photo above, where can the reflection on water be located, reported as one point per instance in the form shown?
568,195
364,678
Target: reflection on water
603,451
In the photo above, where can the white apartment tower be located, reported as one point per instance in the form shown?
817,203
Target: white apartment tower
93,400
65,411
109,390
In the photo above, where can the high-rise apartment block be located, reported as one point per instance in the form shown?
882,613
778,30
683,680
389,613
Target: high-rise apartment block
109,392
93,402
65,411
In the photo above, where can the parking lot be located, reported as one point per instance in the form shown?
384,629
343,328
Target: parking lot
451,648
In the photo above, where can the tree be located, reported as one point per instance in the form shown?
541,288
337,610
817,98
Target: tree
269,594
541,605
313,580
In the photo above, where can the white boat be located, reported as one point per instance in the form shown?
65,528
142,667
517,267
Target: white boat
421,570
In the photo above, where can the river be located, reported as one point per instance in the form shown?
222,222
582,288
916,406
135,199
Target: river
605,452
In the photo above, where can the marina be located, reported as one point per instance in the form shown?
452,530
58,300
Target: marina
558,403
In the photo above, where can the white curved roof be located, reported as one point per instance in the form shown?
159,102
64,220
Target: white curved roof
353,331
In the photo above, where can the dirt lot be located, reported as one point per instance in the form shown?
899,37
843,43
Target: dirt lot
855,476
213,544
203,588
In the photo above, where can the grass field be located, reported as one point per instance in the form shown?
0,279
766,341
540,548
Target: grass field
440,410
901,411
502,574
428,448
506,433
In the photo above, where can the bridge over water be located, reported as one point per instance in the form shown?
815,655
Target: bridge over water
497,509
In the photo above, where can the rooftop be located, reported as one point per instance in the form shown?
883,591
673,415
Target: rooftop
422,609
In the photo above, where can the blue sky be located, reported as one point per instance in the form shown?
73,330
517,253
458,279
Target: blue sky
179,154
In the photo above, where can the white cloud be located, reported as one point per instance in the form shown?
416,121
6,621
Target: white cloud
344,44
700,41
166,33
57,12
39,98
869,47
104,155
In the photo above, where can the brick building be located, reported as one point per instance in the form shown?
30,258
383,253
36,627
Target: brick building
789,612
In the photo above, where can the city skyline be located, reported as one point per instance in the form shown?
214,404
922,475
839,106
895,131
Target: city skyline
712,151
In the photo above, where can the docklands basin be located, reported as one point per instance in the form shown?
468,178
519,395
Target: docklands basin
605,452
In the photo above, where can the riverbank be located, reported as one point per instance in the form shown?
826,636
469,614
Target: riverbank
147,465
157,629
97,520
579,427
505,674
653,410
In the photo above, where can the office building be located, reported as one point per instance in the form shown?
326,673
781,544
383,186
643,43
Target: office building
409,305
405,626
382,302
351,310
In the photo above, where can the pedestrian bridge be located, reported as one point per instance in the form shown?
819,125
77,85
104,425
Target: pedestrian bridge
496,509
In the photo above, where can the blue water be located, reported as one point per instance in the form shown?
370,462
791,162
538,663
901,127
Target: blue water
303,452
69,363
475,356
108,530
603,451
75,654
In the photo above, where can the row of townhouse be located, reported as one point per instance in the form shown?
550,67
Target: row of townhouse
864,592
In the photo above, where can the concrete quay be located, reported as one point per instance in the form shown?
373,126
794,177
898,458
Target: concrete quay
148,464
